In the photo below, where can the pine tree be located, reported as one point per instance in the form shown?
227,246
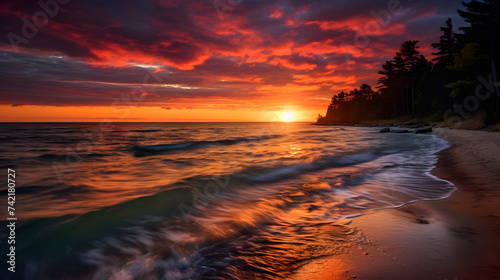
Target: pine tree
399,76
366,92
484,19
447,45
409,54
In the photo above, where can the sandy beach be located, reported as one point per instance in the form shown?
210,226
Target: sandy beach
454,238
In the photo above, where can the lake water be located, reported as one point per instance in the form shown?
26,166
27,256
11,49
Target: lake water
201,200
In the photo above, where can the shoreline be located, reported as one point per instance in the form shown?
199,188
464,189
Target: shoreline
452,238
472,163
469,125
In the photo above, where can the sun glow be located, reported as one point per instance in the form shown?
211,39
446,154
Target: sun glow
288,116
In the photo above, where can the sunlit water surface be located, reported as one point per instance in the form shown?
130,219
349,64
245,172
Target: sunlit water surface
202,200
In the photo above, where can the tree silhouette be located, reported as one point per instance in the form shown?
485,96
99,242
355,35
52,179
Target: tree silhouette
412,86
484,20
446,46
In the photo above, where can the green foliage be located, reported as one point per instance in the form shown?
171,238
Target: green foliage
461,88
467,58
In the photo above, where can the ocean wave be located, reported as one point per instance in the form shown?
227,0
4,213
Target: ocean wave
70,155
297,169
141,150
146,130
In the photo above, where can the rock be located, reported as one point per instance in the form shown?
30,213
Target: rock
422,221
415,126
384,130
399,130
423,130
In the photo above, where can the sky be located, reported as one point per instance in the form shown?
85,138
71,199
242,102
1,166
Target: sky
199,60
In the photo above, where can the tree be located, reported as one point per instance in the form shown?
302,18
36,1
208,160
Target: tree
391,82
342,95
466,64
446,46
387,72
334,103
411,85
366,92
399,76
442,73
356,95
409,54
484,19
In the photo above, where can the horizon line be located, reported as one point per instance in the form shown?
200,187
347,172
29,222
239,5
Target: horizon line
1,122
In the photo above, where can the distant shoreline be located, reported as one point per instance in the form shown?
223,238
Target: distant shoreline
466,125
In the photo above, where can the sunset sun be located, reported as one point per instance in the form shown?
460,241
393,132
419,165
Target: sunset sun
288,116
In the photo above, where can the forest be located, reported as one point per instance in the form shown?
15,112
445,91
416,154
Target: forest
459,83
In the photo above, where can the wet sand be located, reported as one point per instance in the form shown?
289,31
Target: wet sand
454,238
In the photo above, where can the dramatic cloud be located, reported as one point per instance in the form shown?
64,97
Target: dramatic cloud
189,54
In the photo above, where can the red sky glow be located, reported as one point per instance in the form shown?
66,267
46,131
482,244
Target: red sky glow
223,60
